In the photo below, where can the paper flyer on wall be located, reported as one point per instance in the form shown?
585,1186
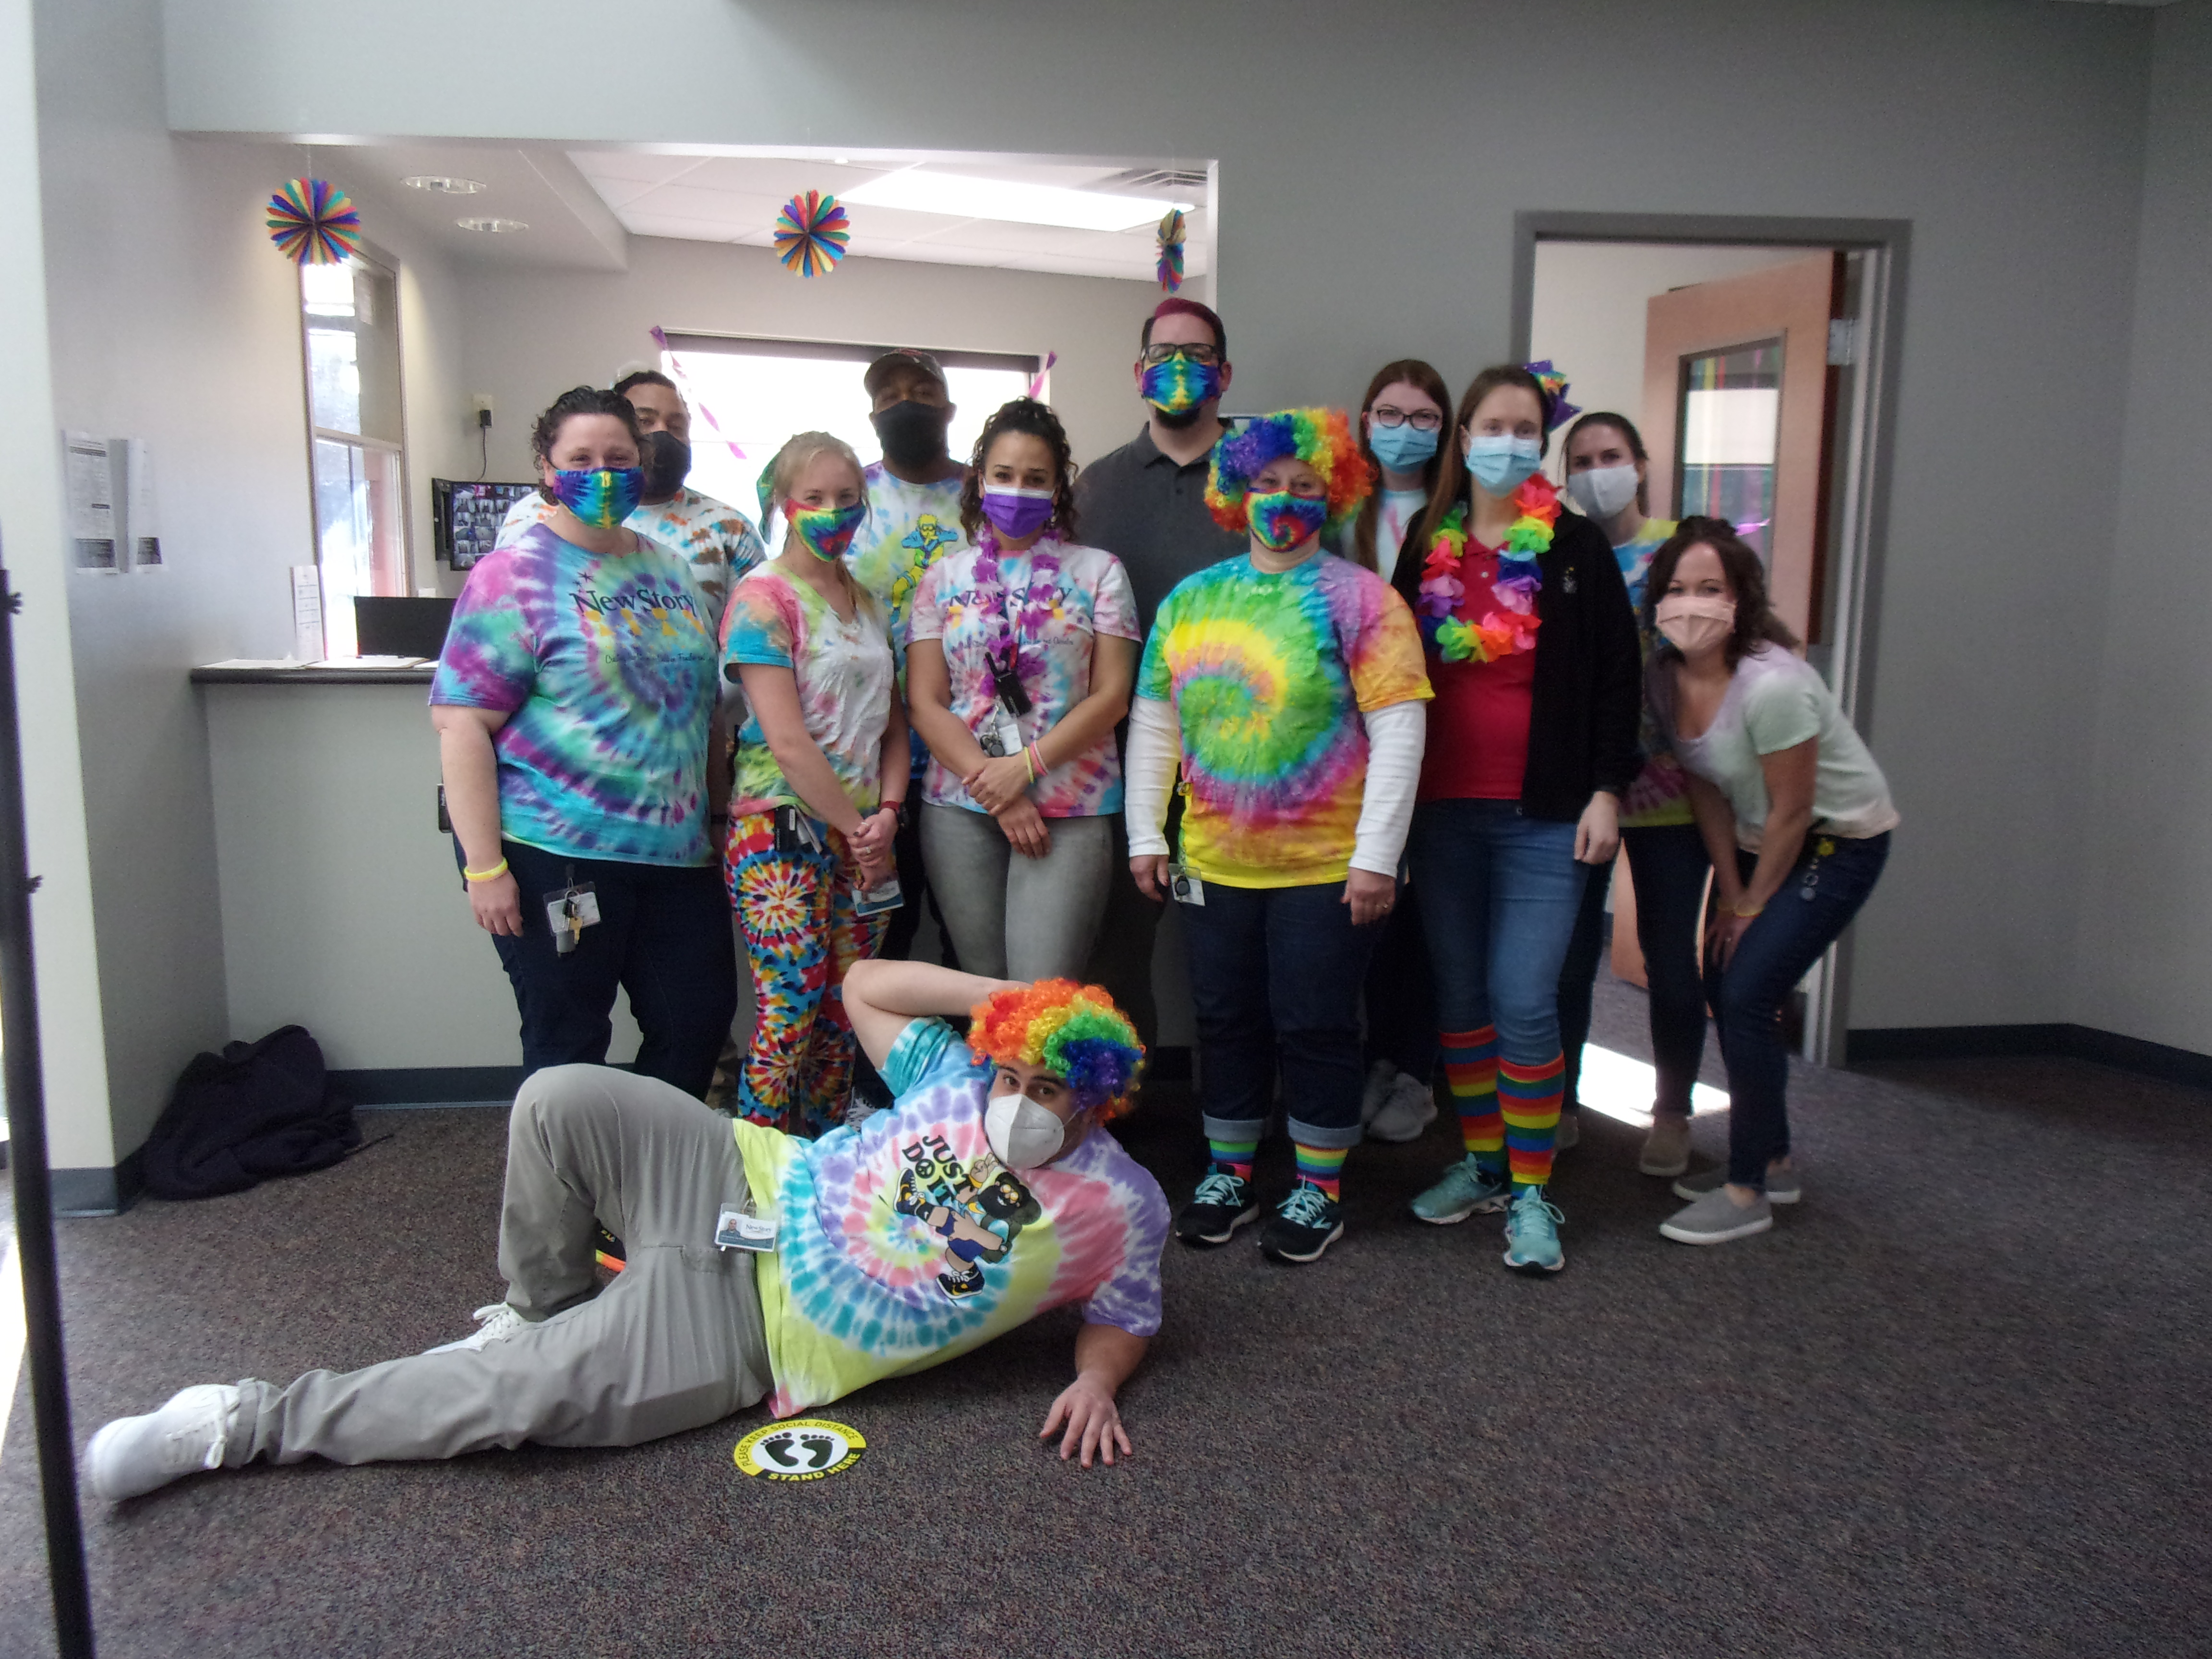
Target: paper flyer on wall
142,513
306,613
90,474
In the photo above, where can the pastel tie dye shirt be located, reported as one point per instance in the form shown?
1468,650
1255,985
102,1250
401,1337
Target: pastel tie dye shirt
1268,674
909,527
713,537
606,665
1089,597
845,676
905,1242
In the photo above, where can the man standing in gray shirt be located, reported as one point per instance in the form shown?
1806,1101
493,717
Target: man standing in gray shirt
1145,504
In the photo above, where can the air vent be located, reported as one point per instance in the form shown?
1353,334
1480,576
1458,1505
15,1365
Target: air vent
1156,181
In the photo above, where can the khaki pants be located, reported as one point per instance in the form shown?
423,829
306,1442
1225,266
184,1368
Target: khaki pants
674,1343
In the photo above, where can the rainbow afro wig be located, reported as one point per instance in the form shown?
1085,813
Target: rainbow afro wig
1072,1029
1322,438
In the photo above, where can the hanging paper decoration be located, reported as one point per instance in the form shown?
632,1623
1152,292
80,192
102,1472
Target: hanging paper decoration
1171,241
810,234
1036,381
312,223
683,391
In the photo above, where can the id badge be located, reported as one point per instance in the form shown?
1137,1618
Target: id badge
875,901
1002,734
568,911
743,1227
1186,888
795,832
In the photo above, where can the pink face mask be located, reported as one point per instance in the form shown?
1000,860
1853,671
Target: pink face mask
1694,623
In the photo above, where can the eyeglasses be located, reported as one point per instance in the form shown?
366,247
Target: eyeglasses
1205,356
1421,420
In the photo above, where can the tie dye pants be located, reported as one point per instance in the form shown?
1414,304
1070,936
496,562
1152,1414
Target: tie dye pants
795,910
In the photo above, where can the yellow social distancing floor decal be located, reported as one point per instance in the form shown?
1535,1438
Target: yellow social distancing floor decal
803,1449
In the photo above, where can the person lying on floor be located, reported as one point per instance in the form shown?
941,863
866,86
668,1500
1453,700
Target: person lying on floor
988,1192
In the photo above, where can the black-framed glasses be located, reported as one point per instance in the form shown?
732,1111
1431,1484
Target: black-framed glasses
1421,420
1205,355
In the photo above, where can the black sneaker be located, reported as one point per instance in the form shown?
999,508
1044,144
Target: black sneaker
1303,1225
966,1282
1222,1204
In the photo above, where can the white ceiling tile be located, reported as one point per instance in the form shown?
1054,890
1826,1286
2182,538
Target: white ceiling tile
597,164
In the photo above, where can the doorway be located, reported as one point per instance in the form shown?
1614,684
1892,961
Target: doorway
1758,358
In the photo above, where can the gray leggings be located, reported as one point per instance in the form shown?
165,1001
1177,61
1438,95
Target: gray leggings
1012,917
674,1343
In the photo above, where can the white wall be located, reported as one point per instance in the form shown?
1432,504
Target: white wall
1588,310
2144,963
173,319
532,335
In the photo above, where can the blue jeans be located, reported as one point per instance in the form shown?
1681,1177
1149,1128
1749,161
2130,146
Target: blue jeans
1823,893
663,936
1275,972
1667,866
1498,896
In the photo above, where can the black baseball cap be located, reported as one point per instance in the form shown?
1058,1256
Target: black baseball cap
904,357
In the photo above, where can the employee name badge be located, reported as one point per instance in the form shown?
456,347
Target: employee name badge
882,896
745,1227
568,911
1186,888
1002,732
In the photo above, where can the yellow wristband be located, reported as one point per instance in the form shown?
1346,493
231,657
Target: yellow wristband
1738,910
492,874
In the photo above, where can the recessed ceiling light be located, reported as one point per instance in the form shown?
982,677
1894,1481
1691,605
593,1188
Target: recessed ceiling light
921,191
442,184
497,226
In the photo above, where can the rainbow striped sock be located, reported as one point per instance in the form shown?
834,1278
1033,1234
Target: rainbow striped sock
1530,1096
1321,1167
1234,1156
1471,1074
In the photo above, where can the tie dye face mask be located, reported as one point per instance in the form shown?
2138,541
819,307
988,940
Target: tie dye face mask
827,530
1179,386
602,498
1281,521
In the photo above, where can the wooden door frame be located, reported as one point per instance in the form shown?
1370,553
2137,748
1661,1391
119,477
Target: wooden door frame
1864,444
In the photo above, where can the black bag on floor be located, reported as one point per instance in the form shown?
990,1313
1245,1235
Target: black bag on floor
254,1112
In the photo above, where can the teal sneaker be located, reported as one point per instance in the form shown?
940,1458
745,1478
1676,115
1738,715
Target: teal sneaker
1532,1234
1467,1190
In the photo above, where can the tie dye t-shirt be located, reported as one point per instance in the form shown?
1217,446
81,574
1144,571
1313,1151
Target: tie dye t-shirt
606,665
905,1242
1268,674
845,676
909,527
716,539
1089,597
1661,793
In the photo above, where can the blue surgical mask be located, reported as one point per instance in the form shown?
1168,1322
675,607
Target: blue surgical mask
1401,448
1502,464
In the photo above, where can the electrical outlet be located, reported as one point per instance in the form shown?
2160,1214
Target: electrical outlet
481,402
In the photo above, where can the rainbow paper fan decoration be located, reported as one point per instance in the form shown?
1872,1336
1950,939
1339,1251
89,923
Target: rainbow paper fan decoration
810,234
1171,241
312,223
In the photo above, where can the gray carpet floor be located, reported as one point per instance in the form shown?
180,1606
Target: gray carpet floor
1954,1403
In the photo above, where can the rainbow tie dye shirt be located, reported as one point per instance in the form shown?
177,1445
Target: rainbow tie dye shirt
606,665
909,527
1268,674
905,1242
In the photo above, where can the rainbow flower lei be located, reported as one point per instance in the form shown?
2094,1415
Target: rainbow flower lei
1511,625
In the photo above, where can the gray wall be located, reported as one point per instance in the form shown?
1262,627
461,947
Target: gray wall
2144,966
2010,134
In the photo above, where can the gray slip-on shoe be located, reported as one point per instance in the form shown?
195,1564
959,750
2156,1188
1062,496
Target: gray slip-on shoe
1716,1219
1782,1185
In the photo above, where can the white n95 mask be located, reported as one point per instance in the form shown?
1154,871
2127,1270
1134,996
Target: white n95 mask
1022,1132
1603,490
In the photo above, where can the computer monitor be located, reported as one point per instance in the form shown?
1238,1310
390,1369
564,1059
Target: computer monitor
401,628
466,516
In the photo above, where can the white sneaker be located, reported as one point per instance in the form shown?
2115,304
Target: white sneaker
1381,1077
1667,1147
1568,1134
1410,1108
134,1456
495,1322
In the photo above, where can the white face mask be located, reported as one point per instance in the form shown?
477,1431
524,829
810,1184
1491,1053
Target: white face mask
1603,490
1022,1132
1694,623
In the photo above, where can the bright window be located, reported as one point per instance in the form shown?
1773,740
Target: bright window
352,316
758,392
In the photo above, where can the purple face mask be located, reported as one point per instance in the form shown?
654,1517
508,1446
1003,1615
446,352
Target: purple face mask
1017,512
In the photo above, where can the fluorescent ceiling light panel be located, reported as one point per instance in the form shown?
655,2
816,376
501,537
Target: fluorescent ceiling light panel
919,190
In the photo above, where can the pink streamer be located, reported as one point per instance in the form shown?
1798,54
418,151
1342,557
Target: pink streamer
684,385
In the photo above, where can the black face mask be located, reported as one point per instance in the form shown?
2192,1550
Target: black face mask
912,434
667,463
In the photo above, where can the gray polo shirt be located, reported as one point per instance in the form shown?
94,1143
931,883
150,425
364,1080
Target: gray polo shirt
1150,513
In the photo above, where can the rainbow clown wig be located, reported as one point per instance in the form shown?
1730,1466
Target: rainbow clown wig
1322,438
1072,1029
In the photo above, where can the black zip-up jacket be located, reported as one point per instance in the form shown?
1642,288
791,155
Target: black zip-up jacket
1587,696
